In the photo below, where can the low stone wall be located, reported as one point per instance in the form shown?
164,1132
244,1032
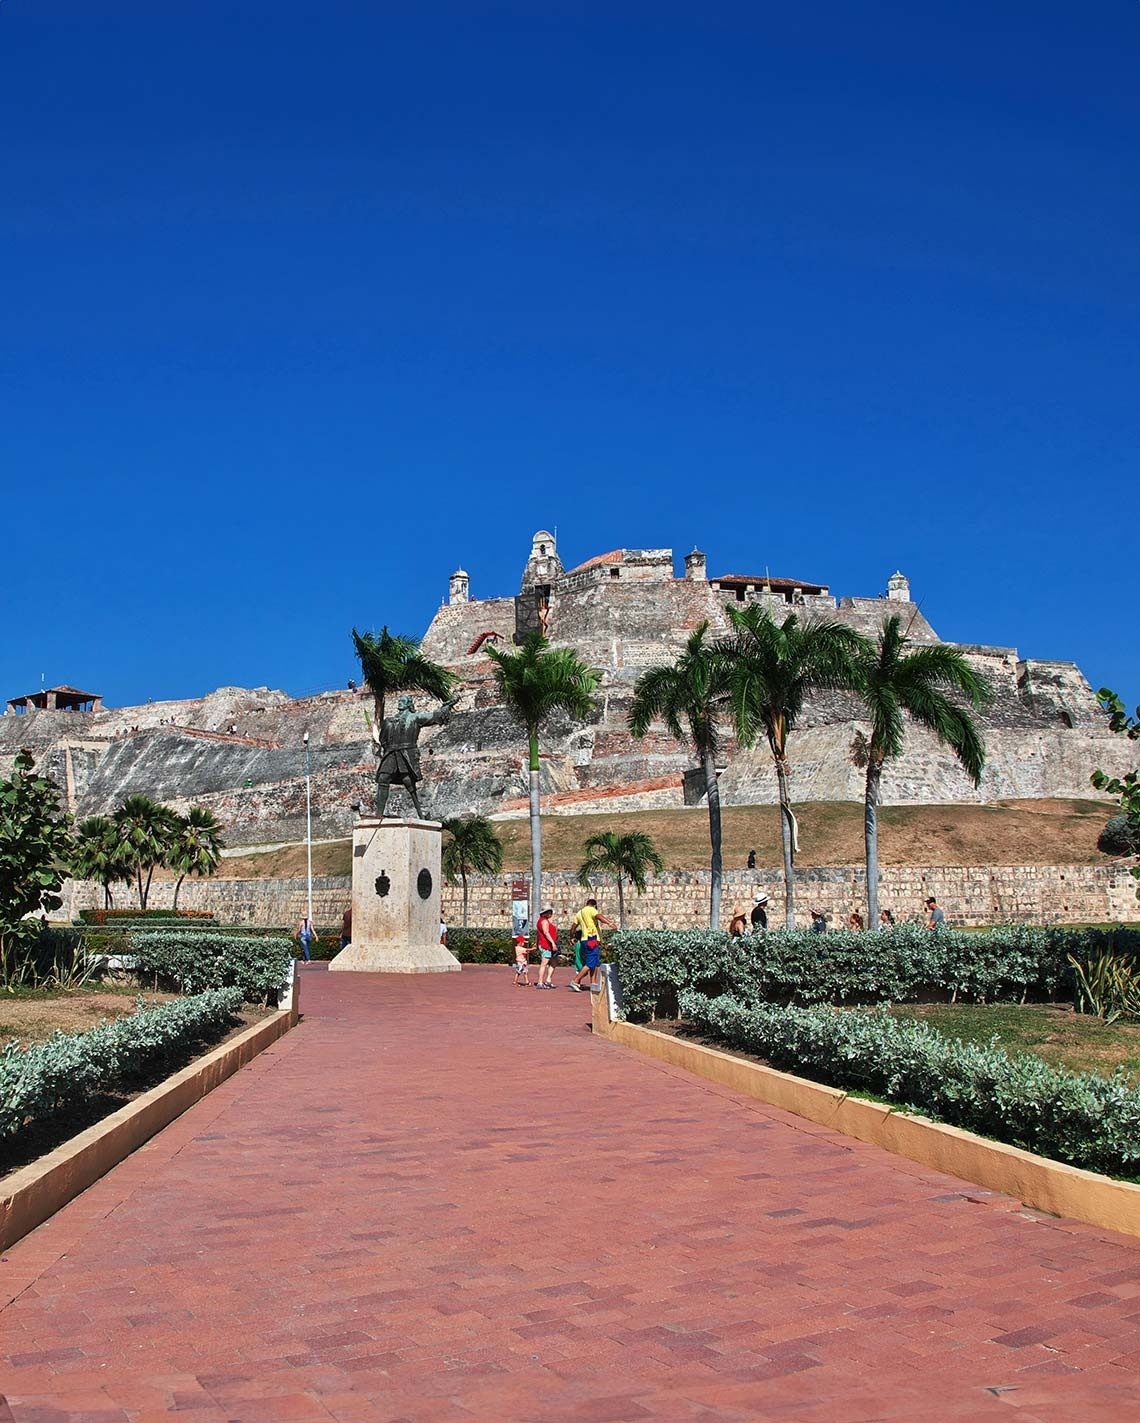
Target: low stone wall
1037,894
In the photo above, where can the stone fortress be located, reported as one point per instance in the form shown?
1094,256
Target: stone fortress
240,752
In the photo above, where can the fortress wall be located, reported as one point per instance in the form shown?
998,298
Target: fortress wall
1066,894
456,626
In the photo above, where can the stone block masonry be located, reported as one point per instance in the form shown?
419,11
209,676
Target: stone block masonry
678,899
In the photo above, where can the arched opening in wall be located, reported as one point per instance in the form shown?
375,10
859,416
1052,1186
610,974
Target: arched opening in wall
1067,719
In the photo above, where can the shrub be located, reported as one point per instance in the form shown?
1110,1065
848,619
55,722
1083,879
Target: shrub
47,1077
104,916
1087,1121
1119,837
1009,961
481,945
192,961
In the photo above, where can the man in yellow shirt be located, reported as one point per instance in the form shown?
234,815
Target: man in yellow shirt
587,920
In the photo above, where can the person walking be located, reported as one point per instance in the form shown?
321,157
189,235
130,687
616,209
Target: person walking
886,919
306,936
818,921
346,928
752,859
759,914
588,919
935,919
547,934
855,921
522,962
738,924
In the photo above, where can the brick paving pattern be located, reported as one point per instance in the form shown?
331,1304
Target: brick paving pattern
441,1199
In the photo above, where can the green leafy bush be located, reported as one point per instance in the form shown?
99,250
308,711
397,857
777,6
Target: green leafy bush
1120,836
48,1077
481,945
105,916
190,961
1007,962
1085,1120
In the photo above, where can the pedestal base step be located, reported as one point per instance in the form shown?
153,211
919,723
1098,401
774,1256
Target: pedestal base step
395,958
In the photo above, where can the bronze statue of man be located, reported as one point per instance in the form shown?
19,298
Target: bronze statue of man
394,743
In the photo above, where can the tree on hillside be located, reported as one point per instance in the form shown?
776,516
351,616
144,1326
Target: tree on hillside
146,834
470,847
534,682
923,682
622,857
689,695
389,663
98,855
1127,787
35,846
773,668
196,846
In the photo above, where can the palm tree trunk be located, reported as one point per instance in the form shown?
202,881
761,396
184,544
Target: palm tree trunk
712,795
535,831
177,887
463,877
146,892
871,840
786,838
142,894
621,903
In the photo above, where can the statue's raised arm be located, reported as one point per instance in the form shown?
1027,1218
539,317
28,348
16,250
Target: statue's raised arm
395,742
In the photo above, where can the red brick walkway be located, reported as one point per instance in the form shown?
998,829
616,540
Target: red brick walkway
442,1199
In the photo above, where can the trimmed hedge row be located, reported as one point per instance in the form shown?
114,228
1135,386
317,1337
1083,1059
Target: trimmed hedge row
47,1077
194,960
1008,962
498,946
1086,1121
104,916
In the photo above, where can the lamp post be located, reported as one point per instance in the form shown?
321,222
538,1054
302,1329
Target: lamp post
309,827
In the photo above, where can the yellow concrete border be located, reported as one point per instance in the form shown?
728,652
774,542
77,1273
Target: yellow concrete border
29,1196
1034,1180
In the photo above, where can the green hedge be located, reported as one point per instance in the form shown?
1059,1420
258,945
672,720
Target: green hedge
1086,1121
498,946
105,916
1007,962
190,961
48,1077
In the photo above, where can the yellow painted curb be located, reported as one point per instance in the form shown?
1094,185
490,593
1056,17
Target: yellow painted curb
1034,1180
32,1194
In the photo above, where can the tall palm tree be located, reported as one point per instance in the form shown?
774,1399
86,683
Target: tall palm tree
390,663
923,682
774,667
98,855
688,695
146,834
197,846
624,857
473,848
534,682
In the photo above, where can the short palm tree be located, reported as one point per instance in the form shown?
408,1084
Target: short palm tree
472,848
389,663
623,857
774,667
534,682
146,833
928,683
197,846
689,695
98,855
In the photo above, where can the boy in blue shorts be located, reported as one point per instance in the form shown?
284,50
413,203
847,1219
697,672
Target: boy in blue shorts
587,920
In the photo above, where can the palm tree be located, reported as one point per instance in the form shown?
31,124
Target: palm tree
688,696
390,663
98,855
146,833
534,682
625,857
473,848
197,846
774,667
891,681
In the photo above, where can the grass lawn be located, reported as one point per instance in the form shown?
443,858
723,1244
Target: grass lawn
1056,1034
1038,832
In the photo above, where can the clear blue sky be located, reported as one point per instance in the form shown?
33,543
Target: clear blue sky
827,289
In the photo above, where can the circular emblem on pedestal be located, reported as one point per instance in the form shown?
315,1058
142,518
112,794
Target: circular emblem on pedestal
423,884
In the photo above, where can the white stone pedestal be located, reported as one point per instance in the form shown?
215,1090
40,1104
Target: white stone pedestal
396,883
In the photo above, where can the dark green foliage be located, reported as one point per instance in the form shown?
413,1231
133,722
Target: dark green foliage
619,857
1085,1120
497,946
470,847
906,964
1119,837
391,663
1127,787
144,916
35,845
189,962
